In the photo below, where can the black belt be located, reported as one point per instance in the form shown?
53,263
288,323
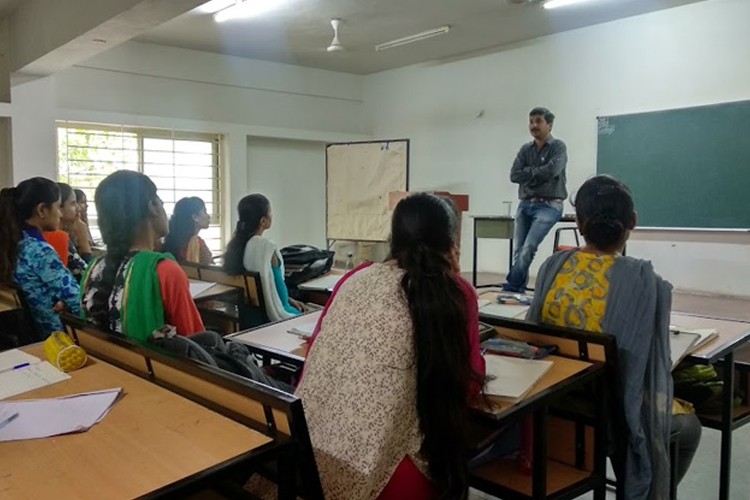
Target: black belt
539,199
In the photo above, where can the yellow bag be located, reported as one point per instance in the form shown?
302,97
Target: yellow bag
62,352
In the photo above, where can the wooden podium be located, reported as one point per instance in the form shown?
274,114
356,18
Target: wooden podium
461,200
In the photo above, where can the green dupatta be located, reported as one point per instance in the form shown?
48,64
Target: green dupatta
142,309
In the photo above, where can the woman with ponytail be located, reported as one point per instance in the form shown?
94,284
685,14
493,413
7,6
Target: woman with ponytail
133,290
596,288
188,219
394,365
249,250
26,211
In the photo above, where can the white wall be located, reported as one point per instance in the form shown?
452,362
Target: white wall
156,86
292,175
467,118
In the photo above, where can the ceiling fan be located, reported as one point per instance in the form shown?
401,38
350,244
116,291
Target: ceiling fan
336,45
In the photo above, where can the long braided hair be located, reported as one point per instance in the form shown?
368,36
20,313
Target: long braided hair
423,238
17,204
123,205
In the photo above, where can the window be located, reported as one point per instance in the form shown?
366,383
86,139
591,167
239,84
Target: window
180,164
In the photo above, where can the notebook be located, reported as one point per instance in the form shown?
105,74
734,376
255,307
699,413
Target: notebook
512,378
29,377
504,310
13,357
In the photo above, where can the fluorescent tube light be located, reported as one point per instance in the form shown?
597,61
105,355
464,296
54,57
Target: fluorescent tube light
413,38
215,6
245,9
554,4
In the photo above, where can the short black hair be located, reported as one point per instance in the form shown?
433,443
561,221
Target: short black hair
548,115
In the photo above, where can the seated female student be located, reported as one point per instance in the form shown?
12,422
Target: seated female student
83,211
250,251
187,220
75,234
132,289
393,366
73,224
26,211
597,289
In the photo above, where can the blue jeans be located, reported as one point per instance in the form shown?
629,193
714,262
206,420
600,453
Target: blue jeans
533,221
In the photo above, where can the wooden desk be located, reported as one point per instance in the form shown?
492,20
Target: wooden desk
732,336
152,441
564,372
217,291
552,475
497,227
273,340
319,290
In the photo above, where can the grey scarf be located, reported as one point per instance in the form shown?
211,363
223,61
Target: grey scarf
637,314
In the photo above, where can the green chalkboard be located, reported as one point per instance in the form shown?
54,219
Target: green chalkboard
687,168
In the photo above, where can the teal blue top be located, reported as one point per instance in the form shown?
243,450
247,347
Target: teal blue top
282,290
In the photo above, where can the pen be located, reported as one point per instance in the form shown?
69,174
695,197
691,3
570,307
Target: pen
8,420
22,365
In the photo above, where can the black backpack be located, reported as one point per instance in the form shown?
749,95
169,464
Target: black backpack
305,262
210,348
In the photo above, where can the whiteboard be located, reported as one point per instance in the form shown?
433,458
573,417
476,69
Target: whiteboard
359,178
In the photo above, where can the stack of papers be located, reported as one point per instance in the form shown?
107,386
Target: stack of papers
512,378
680,344
21,372
685,341
40,418
304,330
197,287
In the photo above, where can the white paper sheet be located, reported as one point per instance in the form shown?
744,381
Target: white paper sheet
30,377
305,331
14,357
197,287
39,418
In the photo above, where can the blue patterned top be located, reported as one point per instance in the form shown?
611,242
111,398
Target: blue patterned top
44,281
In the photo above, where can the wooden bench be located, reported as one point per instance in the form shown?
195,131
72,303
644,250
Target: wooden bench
275,413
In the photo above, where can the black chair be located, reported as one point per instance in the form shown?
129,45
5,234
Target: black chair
558,232
16,326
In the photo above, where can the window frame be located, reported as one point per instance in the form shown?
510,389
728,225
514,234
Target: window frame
217,215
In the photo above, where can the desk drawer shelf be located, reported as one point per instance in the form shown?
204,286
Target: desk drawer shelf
504,474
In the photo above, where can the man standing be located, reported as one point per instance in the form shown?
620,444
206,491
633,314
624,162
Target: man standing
539,171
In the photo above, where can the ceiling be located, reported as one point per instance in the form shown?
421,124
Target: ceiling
299,31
